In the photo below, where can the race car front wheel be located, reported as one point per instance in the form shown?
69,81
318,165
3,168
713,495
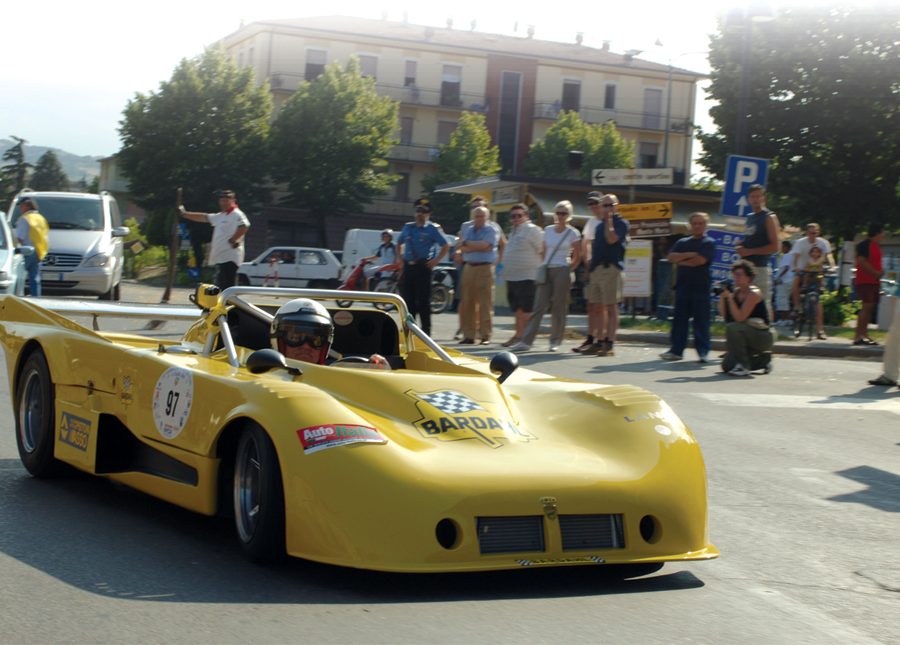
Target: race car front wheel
35,415
258,497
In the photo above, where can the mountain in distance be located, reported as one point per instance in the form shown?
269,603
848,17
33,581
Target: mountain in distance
75,166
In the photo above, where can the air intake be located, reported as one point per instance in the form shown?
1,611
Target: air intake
581,532
511,534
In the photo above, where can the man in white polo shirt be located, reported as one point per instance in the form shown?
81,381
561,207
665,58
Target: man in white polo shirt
226,250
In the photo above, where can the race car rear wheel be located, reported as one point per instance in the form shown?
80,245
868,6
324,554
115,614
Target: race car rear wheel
35,416
258,497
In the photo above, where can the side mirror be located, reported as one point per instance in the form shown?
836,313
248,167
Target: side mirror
24,250
263,360
121,231
504,364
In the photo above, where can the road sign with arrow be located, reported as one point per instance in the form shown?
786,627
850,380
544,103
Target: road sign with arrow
652,210
740,174
632,177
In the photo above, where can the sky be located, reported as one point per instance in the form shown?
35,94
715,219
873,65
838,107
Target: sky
66,78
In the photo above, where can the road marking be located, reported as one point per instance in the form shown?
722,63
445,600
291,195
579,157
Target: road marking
803,402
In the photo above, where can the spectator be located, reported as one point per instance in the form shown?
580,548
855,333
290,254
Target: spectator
812,273
478,244
803,260
760,239
891,350
747,333
868,281
422,245
561,255
385,255
692,256
524,254
476,201
32,230
606,262
587,238
230,225
784,284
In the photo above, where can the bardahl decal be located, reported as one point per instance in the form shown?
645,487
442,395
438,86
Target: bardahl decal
74,431
331,435
452,416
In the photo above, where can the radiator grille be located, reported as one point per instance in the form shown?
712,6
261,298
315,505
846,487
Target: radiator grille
55,261
580,532
511,534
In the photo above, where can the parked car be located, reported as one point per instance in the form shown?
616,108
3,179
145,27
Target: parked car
12,262
85,254
292,266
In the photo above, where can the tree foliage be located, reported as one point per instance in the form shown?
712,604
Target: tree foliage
48,173
823,106
468,155
14,172
601,145
330,141
205,129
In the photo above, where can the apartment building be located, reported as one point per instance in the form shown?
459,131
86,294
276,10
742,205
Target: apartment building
519,83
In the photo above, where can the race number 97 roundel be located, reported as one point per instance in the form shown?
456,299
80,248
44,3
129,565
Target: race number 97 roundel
172,401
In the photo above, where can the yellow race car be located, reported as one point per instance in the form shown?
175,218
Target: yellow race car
444,462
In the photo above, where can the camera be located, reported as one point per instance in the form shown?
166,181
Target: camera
723,285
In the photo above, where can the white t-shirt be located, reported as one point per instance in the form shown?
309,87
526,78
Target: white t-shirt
559,257
787,260
523,252
589,228
224,225
801,250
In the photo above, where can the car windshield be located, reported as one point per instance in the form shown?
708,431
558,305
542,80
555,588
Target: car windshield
63,212
4,240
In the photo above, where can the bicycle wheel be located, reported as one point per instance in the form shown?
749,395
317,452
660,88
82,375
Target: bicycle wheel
810,314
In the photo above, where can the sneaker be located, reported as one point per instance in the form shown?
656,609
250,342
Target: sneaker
882,380
670,356
702,358
768,368
512,341
467,341
520,347
458,334
485,341
739,370
592,349
583,347
607,349
553,348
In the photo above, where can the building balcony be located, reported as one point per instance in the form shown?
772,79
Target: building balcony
678,124
415,152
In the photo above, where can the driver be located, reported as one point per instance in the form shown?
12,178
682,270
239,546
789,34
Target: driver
302,330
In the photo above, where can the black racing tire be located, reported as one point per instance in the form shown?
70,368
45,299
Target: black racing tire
258,496
441,297
36,416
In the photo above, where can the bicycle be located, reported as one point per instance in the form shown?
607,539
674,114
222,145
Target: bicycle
810,294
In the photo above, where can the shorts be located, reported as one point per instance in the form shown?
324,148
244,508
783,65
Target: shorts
520,295
605,286
868,293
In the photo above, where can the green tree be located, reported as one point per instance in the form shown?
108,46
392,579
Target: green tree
822,105
205,129
468,155
330,140
48,173
14,173
601,145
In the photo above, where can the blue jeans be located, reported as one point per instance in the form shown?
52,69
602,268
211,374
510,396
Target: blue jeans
33,267
690,304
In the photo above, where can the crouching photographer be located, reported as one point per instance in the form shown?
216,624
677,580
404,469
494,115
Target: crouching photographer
748,338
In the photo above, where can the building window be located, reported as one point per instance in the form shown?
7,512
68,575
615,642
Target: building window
451,79
409,77
652,108
648,155
406,128
571,95
609,97
401,189
445,131
315,63
508,123
368,65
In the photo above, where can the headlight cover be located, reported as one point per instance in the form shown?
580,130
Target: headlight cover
98,260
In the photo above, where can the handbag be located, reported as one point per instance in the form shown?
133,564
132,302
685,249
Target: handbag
540,275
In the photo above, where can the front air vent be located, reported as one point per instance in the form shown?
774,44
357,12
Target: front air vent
581,532
519,534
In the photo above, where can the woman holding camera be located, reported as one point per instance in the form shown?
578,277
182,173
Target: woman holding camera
747,334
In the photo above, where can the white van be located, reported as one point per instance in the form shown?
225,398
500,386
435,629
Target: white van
364,242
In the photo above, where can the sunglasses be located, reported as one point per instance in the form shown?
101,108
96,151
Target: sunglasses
298,340
516,215
607,205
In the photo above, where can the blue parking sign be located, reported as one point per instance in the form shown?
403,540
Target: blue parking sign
725,255
740,174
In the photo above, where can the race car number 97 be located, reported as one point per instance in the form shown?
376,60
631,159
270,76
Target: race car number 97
172,400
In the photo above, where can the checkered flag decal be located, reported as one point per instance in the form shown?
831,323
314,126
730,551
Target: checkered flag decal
450,402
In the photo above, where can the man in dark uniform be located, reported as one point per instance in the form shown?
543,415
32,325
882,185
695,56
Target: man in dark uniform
422,246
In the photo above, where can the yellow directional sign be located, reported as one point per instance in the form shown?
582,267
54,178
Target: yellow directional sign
653,210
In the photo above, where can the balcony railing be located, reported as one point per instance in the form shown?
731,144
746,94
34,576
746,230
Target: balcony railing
678,124
414,152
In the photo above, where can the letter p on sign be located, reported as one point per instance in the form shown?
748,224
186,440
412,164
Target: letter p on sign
745,175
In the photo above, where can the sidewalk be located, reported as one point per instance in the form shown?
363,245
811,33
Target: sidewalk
444,327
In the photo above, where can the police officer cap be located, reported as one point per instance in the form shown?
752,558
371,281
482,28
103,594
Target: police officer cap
423,203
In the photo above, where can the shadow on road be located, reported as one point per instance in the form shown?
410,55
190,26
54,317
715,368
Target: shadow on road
882,488
110,540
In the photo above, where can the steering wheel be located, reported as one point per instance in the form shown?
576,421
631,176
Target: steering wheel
352,359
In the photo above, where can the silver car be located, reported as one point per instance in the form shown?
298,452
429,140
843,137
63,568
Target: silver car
12,262
85,255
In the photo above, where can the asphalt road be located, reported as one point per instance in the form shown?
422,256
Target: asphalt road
804,488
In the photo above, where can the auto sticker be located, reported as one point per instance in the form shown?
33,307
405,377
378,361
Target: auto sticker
331,435
172,401
448,415
342,318
74,431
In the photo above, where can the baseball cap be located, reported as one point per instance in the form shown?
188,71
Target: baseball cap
594,196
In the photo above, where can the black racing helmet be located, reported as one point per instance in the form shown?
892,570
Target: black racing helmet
302,321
